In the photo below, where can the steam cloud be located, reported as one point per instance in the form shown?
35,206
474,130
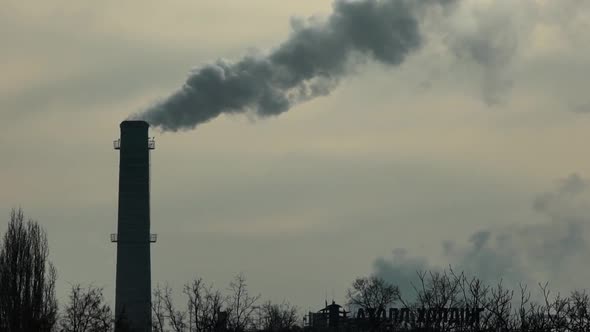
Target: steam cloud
553,249
309,64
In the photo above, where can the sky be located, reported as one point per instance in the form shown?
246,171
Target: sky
471,152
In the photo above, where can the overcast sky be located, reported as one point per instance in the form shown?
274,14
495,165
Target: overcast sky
473,152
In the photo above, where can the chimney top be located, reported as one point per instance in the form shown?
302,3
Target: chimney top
134,124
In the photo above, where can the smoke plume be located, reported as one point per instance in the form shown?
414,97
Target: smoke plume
552,249
308,64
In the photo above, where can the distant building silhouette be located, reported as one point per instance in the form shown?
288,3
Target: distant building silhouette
332,317
133,280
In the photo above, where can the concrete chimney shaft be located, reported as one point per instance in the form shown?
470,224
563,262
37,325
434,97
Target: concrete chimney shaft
133,280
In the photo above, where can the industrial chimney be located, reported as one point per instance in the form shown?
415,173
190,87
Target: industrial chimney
133,280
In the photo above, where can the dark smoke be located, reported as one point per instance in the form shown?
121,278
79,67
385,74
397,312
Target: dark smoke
309,64
553,249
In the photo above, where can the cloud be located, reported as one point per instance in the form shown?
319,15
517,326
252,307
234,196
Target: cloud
581,108
491,41
401,269
552,249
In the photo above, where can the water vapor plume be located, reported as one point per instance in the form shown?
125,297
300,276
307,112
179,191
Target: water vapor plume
310,63
553,248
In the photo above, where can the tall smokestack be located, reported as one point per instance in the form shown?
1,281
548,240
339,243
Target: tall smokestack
133,281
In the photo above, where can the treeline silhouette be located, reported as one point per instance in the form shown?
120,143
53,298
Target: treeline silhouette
500,308
28,302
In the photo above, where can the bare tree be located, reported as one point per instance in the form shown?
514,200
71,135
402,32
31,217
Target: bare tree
203,312
27,278
86,311
447,301
158,311
371,294
204,306
579,311
277,317
164,312
241,305
435,293
501,309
